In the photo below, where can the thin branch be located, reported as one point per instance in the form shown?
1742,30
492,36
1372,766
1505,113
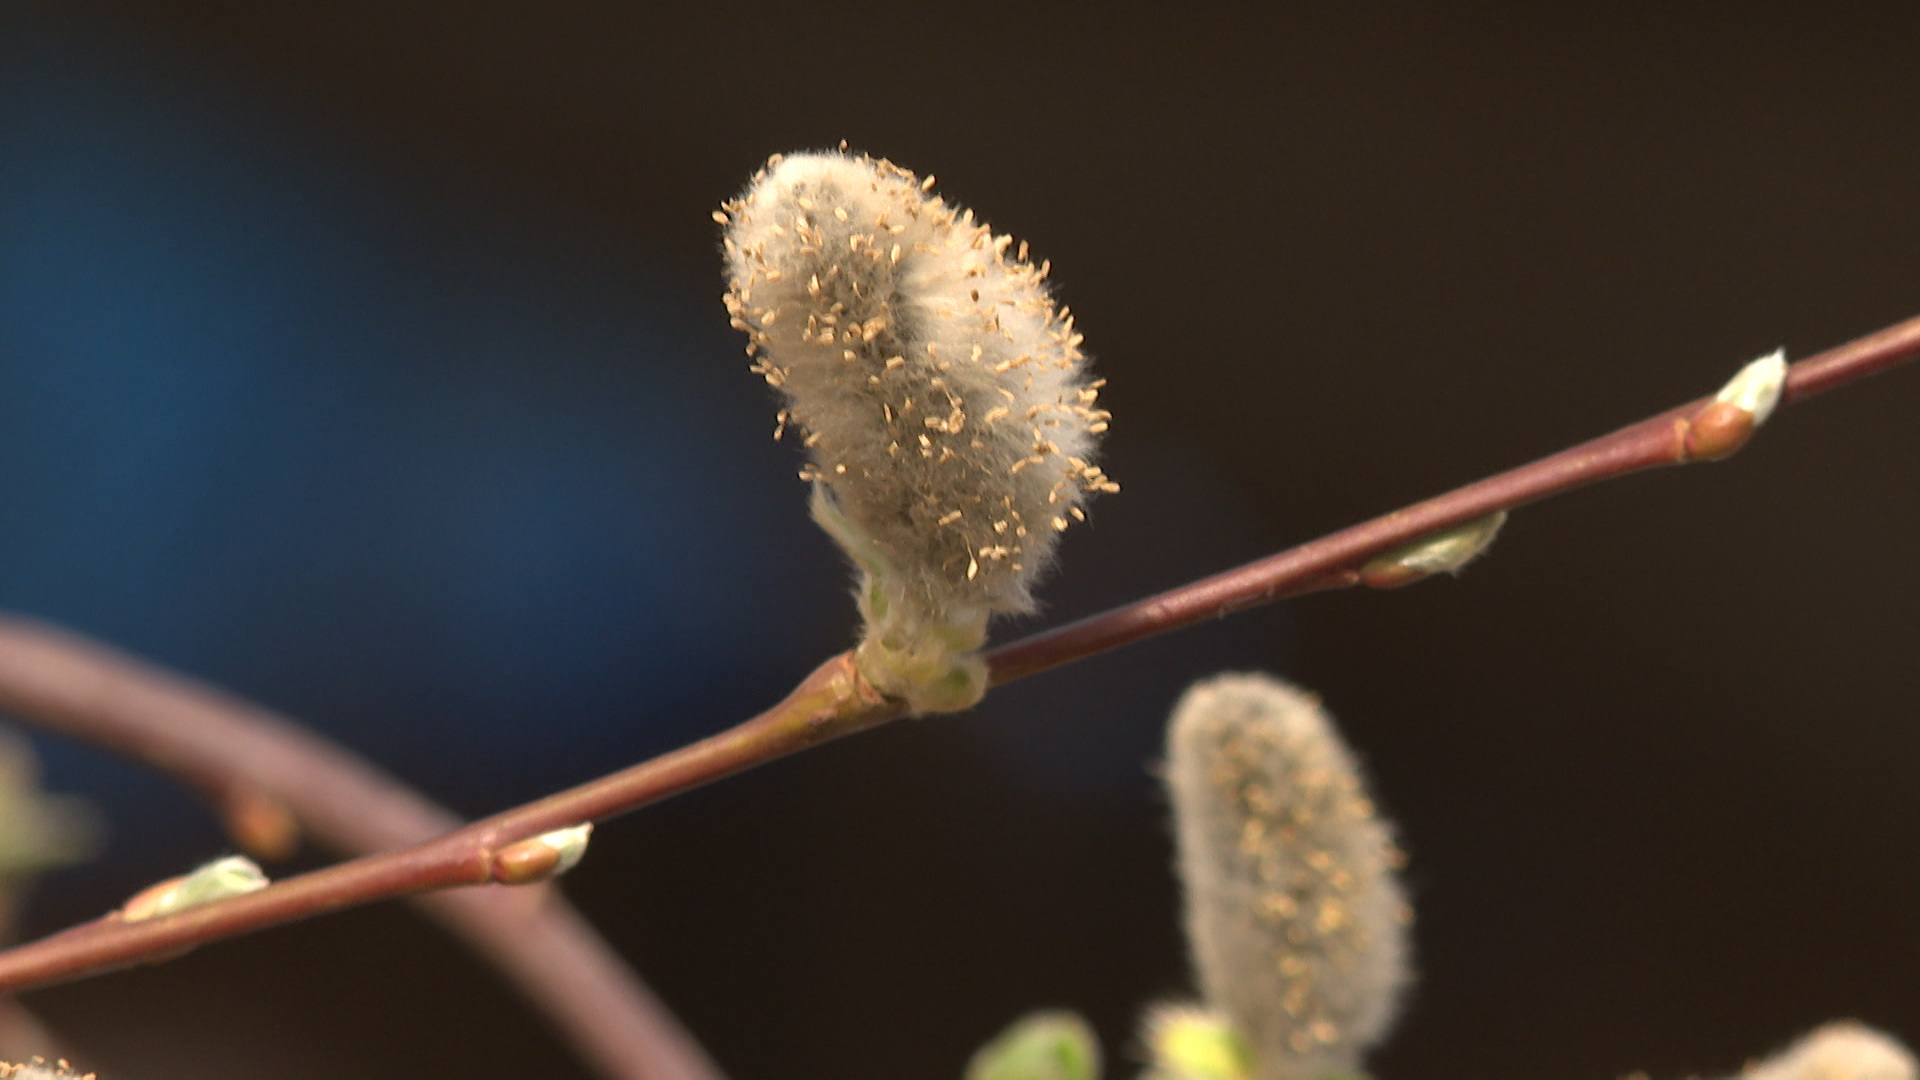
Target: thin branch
266,774
1333,561
836,701
833,701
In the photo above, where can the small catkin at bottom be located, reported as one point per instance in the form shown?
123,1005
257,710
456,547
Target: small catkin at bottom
1297,922
1845,1050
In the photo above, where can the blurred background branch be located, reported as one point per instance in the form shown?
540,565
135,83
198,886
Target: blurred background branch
72,687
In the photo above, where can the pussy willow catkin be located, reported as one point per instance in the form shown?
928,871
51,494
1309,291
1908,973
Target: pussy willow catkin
1839,1051
941,395
1295,916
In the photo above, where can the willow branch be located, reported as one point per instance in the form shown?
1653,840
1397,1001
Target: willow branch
1674,437
270,777
836,701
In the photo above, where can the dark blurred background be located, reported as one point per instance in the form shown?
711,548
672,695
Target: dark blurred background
368,359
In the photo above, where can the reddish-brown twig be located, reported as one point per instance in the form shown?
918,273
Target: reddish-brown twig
267,774
835,701
1334,561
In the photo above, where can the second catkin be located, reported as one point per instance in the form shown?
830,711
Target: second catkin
1297,922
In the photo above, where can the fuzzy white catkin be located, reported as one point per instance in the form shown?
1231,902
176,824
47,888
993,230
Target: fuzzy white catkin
1840,1051
1296,919
943,399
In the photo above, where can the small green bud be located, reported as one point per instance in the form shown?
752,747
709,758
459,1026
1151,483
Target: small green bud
38,831
235,875
1190,1042
539,858
569,843
1726,424
1040,1046
1756,388
1445,552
